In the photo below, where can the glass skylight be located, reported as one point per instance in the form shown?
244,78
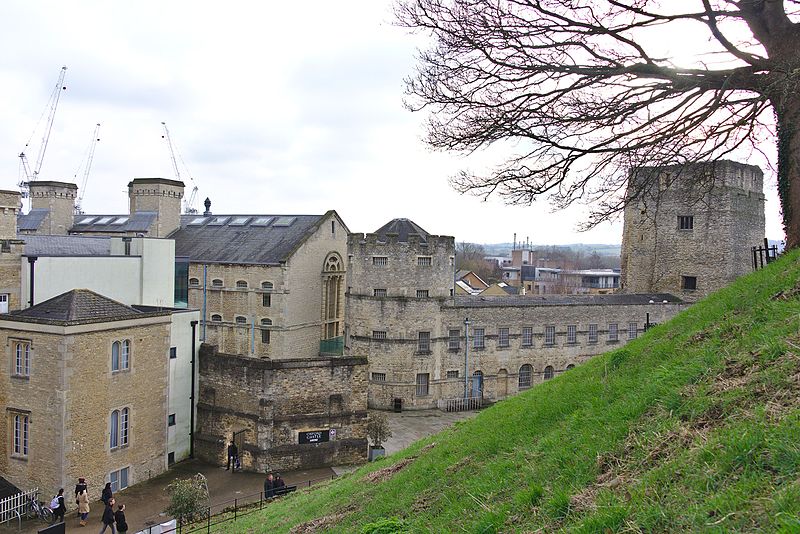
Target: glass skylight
284,221
104,220
87,220
219,220
261,221
239,221
120,220
197,220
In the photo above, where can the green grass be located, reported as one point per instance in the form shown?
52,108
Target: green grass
694,427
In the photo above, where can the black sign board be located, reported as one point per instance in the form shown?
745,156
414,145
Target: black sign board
315,436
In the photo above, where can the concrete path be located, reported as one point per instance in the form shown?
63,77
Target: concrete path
409,426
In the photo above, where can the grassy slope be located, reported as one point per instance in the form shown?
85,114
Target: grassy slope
693,427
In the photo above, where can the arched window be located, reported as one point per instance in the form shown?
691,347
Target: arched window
241,319
548,372
115,350
216,282
525,373
194,282
114,443
267,286
265,324
22,365
332,297
570,366
241,284
216,318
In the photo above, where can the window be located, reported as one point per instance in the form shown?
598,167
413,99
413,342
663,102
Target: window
216,282
380,261
685,222
22,360
422,384
170,458
194,282
548,372
333,227
613,333
119,428
379,292
120,355
527,336
525,375
379,335
118,479
424,342
241,284
688,283
265,332
454,340
379,377
21,436
3,302
241,319
549,335
216,318
502,337
478,339
171,420
452,374
267,286
173,353
570,366
633,330
593,333
572,333
422,293
423,261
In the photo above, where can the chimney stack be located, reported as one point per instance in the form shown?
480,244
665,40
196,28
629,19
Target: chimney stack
58,198
161,196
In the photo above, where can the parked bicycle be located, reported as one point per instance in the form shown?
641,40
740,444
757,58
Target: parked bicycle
38,509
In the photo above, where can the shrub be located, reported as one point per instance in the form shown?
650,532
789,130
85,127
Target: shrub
378,428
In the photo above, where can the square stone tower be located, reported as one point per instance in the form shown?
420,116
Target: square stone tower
58,198
692,228
161,196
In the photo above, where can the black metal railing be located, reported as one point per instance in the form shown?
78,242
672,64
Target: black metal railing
764,255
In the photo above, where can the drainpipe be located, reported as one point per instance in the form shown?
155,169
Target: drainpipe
466,356
191,395
31,261
253,336
205,295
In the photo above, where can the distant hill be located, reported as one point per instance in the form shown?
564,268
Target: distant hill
693,427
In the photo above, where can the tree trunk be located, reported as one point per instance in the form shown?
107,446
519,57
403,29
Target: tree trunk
787,112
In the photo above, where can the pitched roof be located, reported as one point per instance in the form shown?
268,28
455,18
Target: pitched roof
402,228
243,239
139,221
66,245
614,299
76,306
31,220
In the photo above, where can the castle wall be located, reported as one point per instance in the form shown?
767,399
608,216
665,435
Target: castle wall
159,195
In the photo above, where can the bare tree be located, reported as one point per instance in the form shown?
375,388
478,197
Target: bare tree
575,86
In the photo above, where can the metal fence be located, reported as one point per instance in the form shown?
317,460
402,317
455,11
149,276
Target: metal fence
460,404
14,507
222,512
764,255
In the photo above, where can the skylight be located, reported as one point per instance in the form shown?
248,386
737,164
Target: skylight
104,220
261,221
197,220
87,220
284,221
120,220
239,221
218,221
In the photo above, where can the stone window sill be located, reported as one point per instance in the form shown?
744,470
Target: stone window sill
19,457
21,377
423,353
612,341
478,348
451,349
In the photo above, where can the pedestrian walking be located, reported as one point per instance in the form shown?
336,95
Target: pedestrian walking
119,517
58,506
279,485
269,486
107,494
233,455
83,506
81,485
109,519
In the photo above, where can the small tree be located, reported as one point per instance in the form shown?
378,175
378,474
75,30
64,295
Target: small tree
187,498
378,429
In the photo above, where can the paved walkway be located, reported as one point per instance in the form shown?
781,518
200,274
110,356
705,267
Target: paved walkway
144,502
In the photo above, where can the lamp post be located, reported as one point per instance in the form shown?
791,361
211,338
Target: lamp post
466,356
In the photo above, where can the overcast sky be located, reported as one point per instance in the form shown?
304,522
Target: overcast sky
274,107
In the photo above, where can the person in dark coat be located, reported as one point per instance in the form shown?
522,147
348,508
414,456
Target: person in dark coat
279,484
233,454
80,486
108,517
107,494
269,486
119,517
62,506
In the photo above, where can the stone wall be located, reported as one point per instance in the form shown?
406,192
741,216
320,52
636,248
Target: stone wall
159,195
272,401
726,203
59,199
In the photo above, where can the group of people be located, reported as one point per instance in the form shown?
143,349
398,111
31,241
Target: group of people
273,486
115,520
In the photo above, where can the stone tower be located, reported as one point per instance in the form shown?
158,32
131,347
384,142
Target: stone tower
692,229
161,196
58,198
10,252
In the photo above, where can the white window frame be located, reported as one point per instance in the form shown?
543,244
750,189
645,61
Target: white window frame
21,434
478,338
423,384
423,341
503,338
633,330
22,358
549,335
527,336
613,331
454,339
592,333
116,477
572,333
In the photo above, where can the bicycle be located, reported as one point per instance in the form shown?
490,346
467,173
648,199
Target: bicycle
38,509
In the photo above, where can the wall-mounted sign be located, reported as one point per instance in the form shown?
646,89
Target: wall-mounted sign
314,436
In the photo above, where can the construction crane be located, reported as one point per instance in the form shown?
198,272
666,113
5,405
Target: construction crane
188,204
86,165
52,105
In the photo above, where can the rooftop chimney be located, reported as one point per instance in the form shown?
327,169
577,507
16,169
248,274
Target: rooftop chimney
58,198
161,196
207,204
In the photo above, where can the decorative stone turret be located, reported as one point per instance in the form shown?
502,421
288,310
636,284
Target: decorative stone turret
161,196
9,209
59,199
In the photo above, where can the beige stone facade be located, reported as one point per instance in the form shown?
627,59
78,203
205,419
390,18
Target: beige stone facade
68,394
161,196
58,198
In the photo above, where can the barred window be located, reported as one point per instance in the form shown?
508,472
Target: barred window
267,286
380,261
454,341
633,330
241,284
527,336
685,222
266,300
424,342
194,282
525,374
424,261
216,318
216,282
478,338
613,333
570,366
548,372
241,319
502,337
593,333
423,379
379,335
452,374
422,293
265,332
379,377
549,335
572,333
379,292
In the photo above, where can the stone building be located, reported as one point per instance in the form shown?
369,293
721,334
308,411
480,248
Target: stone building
404,318
691,230
85,393
10,252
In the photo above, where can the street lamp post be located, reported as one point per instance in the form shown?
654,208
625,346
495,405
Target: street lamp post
466,356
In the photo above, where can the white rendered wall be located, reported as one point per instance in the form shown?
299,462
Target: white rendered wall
180,382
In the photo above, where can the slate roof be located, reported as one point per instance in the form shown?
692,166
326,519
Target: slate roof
77,306
139,221
402,227
243,239
31,220
615,299
66,245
